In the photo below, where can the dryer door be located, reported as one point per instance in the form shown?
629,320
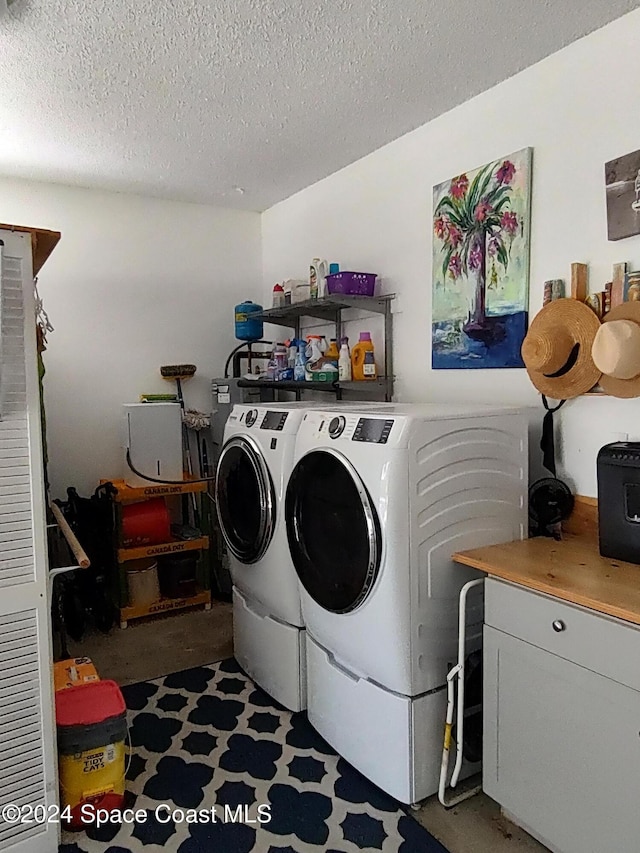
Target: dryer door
245,499
333,531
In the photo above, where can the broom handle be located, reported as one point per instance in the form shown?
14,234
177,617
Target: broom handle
76,548
187,449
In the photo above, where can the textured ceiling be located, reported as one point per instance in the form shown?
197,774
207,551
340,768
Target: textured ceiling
192,99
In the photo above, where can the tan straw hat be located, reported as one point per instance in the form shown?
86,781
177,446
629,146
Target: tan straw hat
557,349
616,351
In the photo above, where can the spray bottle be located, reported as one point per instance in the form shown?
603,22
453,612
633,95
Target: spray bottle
344,361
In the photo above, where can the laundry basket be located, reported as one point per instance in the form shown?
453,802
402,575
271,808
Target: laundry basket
352,283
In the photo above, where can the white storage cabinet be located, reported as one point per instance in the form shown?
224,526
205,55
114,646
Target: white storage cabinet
562,720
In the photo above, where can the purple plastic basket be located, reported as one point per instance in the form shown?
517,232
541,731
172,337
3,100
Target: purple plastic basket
352,283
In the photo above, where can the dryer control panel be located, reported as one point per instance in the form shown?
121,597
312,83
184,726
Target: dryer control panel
273,420
345,425
373,430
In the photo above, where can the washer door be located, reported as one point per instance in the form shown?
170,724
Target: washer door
333,531
245,499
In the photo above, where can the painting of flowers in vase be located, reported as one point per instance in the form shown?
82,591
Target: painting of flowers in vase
480,302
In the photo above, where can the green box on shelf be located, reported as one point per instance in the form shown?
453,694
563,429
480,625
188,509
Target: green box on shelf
324,376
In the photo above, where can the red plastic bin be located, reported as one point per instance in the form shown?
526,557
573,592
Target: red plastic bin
146,523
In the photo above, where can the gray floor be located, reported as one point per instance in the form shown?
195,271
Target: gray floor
475,826
155,647
159,646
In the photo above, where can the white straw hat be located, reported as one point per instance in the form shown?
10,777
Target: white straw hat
616,351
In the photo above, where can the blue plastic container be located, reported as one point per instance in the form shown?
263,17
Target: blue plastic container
248,326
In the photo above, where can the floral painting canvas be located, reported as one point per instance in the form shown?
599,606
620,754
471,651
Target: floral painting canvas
481,265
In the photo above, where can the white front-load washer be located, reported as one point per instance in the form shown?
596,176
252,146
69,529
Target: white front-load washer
253,469
251,476
377,503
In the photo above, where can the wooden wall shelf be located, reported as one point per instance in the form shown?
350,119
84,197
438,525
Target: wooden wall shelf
43,242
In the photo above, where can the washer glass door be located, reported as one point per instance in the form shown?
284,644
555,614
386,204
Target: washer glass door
333,531
245,499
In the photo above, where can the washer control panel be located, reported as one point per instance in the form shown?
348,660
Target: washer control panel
372,430
274,420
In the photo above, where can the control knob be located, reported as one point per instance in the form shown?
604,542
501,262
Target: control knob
251,417
336,426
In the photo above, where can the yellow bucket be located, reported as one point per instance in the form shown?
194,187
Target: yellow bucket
92,730
94,778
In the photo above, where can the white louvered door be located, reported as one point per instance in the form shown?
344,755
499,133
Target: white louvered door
27,741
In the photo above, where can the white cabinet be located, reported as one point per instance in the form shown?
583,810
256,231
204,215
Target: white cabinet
27,738
561,726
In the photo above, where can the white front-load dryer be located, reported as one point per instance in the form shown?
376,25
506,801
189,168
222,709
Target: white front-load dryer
377,503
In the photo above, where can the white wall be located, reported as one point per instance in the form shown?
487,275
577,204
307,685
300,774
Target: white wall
133,284
577,109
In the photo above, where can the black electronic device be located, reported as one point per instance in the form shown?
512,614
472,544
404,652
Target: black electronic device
619,500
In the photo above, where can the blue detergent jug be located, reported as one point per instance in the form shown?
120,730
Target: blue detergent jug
248,326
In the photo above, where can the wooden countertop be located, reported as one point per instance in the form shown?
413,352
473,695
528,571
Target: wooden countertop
571,570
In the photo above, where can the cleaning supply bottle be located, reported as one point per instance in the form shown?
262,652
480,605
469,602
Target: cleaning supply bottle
369,366
318,271
314,355
361,367
313,278
344,361
322,273
332,354
271,367
300,359
280,358
298,368
278,296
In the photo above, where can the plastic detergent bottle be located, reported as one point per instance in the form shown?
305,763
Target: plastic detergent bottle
318,271
314,355
278,296
300,359
271,367
322,273
298,368
363,364
280,358
313,278
344,361
332,355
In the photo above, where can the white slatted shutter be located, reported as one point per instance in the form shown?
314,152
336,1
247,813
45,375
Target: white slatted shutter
27,741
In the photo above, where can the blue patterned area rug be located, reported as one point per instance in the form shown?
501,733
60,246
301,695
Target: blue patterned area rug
211,747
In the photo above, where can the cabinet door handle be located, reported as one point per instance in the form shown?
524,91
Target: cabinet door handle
558,625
